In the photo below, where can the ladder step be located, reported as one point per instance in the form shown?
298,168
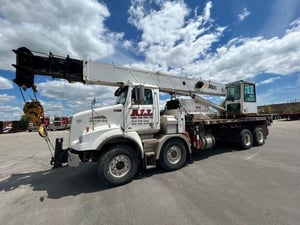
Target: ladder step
149,153
150,160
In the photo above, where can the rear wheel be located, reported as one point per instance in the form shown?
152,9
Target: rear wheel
173,155
258,136
118,165
246,139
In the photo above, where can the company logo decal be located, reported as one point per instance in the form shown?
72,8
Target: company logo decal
141,117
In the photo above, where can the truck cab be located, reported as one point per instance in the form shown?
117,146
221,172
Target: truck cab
136,113
59,123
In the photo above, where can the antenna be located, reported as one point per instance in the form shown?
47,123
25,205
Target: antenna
92,106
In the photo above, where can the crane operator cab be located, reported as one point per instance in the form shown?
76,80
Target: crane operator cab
241,99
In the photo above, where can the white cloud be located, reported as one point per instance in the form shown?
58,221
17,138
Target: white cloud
8,112
64,27
8,109
171,37
127,44
5,83
6,98
243,14
206,13
173,40
245,58
268,81
53,108
77,96
285,93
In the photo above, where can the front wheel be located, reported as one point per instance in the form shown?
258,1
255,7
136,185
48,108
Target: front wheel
173,155
118,165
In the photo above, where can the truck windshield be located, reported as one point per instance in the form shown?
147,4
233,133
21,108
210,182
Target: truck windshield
122,96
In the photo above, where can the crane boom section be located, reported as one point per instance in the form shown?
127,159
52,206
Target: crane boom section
110,74
28,65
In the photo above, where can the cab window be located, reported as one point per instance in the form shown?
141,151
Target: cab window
249,93
141,96
148,100
233,92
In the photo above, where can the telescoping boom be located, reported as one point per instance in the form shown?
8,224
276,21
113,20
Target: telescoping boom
91,72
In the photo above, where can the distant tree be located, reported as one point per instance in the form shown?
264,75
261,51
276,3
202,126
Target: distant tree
292,109
24,120
268,109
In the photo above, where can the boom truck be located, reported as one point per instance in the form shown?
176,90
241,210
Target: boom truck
134,133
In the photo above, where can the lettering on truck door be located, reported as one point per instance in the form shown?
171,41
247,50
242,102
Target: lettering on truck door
141,114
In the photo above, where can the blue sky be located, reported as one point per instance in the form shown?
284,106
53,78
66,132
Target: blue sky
214,40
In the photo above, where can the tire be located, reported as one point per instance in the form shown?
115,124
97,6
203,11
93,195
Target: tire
246,139
258,136
118,165
173,155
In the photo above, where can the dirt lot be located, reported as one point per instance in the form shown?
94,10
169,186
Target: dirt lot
222,186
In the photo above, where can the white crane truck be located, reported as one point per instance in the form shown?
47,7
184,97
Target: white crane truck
134,133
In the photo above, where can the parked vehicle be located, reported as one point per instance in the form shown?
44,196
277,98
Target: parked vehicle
59,123
34,127
133,133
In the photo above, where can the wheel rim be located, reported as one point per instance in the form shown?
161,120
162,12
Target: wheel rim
119,166
247,139
260,137
174,154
